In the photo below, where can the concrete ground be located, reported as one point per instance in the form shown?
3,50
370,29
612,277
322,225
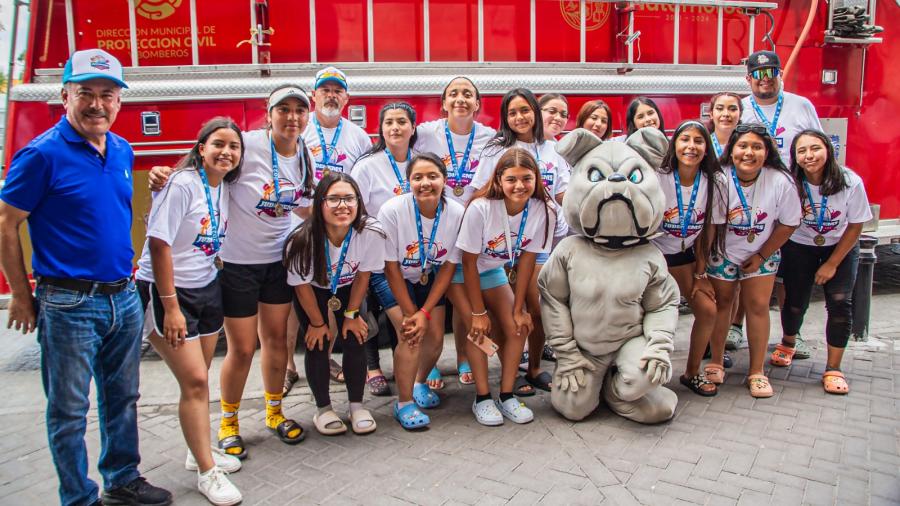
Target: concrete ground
800,447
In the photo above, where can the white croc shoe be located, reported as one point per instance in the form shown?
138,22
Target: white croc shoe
217,488
487,413
225,462
515,410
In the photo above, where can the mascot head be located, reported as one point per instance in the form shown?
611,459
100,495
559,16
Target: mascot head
614,197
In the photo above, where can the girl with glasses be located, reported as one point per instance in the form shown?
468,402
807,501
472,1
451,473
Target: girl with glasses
555,109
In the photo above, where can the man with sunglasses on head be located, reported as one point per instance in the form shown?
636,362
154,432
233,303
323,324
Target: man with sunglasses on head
784,114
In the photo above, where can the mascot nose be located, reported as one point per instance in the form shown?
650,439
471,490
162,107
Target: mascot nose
615,177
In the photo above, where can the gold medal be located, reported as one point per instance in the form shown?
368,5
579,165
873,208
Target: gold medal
279,210
334,304
424,279
458,191
512,276
325,173
751,237
819,240
219,263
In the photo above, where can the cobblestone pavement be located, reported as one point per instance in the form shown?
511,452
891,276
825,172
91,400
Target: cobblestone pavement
799,447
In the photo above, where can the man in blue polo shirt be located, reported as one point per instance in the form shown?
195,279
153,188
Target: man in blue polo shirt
73,185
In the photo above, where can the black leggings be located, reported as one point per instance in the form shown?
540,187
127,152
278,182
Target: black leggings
316,360
373,352
799,264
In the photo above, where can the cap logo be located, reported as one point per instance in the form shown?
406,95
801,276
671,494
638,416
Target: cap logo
762,59
99,62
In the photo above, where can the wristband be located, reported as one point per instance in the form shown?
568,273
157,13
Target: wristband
318,326
168,296
426,313
483,313
761,256
351,314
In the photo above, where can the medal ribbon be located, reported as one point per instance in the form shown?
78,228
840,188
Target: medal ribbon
459,167
685,216
773,126
213,220
327,150
404,185
335,274
820,216
716,145
275,171
514,253
740,192
423,249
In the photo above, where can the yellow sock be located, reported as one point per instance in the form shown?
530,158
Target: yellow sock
273,413
229,424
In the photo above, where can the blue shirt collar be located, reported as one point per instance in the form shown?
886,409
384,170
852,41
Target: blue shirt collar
69,133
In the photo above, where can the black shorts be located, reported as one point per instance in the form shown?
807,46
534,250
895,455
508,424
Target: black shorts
201,307
685,257
244,286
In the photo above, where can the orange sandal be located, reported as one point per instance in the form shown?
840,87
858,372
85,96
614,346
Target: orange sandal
782,356
835,383
715,373
760,387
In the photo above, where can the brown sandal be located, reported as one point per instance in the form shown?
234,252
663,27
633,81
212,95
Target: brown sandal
835,383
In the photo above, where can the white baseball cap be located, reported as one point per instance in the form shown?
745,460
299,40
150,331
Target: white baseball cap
93,64
281,94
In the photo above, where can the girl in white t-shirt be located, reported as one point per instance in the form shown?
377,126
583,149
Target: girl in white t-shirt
596,116
689,178
420,258
762,210
458,140
555,113
178,281
642,112
507,223
521,125
823,251
329,259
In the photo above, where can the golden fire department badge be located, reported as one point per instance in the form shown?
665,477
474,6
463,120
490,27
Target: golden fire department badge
156,9
595,15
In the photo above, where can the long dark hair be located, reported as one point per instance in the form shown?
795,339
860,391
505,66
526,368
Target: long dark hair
588,108
193,160
505,136
712,105
630,127
709,167
305,246
833,180
428,157
380,144
518,157
773,158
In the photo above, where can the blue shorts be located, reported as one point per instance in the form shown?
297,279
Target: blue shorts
488,279
721,268
418,292
541,258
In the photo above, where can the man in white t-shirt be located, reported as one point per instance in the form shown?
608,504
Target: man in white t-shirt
335,142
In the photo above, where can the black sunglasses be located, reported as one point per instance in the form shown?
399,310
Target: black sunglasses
751,127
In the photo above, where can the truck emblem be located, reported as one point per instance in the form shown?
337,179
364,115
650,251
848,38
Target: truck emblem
595,15
156,9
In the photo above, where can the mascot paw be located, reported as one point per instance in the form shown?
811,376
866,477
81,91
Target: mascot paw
571,381
659,371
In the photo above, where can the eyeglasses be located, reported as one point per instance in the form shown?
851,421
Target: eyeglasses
767,73
751,127
333,201
553,111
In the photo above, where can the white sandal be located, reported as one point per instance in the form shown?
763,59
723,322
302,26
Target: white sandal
486,413
357,420
515,410
327,418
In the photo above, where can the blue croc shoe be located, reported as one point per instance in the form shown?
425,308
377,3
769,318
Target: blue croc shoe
410,417
425,396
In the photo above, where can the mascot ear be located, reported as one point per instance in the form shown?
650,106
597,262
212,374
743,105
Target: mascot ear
650,143
576,144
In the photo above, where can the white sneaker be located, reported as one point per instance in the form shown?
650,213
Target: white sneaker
487,413
225,462
217,488
515,410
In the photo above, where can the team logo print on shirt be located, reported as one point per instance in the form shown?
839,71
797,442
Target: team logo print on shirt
548,174
290,194
737,221
810,214
496,247
204,240
672,222
348,272
468,172
411,256
334,162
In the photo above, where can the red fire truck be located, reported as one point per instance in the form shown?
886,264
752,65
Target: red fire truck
188,60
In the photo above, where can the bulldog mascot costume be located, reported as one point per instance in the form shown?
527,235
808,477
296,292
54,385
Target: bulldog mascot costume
608,303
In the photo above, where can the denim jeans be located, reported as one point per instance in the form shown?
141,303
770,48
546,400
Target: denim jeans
84,335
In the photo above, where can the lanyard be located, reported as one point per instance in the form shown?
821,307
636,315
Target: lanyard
747,209
424,248
820,217
716,145
275,171
514,253
327,151
685,216
404,185
459,167
773,126
336,273
537,154
213,220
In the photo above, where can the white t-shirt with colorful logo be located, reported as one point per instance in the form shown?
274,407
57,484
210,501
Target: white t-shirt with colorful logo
398,219
670,241
351,145
377,181
483,231
365,253
432,138
850,205
179,216
772,198
259,231
797,114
